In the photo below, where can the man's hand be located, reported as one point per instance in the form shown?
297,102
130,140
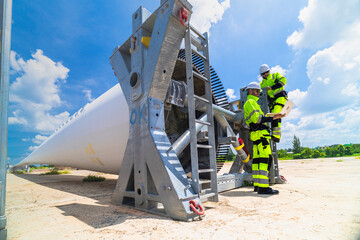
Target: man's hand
278,115
268,88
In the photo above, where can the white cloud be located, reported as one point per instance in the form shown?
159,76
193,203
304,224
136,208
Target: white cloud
323,22
25,139
35,92
297,96
230,93
333,83
32,148
327,109
38,139
207,12
323,128
88,95
278,69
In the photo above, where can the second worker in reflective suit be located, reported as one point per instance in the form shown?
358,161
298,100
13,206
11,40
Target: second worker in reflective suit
274,83
259,135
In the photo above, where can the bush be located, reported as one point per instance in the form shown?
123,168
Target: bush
56,172
297,156
93,178
52,172
19,172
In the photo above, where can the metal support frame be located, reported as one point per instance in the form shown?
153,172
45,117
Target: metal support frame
5,9
151,177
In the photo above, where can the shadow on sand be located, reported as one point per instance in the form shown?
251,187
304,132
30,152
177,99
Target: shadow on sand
101,214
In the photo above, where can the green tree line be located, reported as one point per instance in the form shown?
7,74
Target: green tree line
299,152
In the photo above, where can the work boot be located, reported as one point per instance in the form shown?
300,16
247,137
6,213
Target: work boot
267,191
256,188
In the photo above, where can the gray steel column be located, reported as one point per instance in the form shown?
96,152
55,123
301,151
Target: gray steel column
5,24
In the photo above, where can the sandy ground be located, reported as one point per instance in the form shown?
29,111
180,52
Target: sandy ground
320,201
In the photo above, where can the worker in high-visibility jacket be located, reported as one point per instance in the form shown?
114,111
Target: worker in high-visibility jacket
274,83
259,135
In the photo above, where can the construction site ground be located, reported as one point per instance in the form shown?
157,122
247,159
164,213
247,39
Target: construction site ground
320,201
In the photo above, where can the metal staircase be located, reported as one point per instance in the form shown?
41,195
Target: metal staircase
221,155
204,181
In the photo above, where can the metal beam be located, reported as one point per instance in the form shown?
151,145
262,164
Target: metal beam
5,24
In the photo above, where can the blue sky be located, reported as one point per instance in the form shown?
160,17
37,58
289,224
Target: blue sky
60,60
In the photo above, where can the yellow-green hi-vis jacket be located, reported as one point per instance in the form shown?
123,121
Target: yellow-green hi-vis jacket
271,80
253,115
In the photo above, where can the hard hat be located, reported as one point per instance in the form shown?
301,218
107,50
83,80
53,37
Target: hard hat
264,68
253,85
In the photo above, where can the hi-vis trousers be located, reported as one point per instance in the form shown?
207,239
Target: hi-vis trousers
262,159
275,107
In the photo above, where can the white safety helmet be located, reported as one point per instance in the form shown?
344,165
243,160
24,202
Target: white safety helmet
253,85
264,68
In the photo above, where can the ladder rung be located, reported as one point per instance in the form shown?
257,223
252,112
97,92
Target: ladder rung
197,32
206,196
201,99
203,181
199,54
196,42
200,76
204,146
206,170
202,122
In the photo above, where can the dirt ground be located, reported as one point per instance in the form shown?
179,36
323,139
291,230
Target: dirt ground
320,201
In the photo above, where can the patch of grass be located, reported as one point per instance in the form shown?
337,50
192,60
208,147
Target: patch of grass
41,167
19,172
93,178
56,172
52,172
339,160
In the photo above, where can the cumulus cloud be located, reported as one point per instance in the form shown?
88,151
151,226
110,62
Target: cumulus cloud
327,108
323,22
88,95
38,139
323,128
35,92
278,69
230,93
32,148
207,12
333,83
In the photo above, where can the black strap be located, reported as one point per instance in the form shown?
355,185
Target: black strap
257,127
280,94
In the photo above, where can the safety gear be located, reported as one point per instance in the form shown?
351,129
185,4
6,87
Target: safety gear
267,190
277,82
264,68
277,98
260,136
253,85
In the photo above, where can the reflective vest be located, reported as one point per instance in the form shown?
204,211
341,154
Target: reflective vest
252,116
271,80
